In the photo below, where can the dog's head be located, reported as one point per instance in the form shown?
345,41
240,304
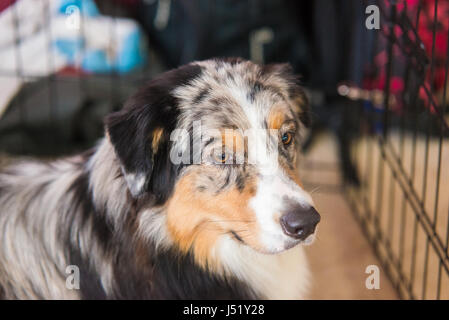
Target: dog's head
215,144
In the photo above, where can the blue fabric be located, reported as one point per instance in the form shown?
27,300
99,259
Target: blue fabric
133,53
96,61
87,7
69,48
132,50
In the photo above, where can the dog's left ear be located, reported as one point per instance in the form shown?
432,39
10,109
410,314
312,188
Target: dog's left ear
296,94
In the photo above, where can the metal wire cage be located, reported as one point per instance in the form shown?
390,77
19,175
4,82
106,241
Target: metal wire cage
403,201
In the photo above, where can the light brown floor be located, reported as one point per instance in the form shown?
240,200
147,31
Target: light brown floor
340,254
423,166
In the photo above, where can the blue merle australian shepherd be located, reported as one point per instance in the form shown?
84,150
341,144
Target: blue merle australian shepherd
142,216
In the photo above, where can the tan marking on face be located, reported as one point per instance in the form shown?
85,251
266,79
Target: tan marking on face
196,219
276,118
157,135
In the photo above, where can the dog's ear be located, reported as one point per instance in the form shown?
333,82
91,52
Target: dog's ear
140,134
135,140
296,94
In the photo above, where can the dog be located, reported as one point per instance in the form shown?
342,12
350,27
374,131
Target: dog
145,215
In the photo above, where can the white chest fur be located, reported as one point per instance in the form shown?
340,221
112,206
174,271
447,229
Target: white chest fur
273,276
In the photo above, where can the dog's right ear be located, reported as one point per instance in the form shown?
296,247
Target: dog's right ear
129,132
140,133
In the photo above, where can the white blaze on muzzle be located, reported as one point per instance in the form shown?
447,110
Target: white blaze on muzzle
275,192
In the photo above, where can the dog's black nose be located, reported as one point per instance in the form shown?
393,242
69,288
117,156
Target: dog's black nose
299,223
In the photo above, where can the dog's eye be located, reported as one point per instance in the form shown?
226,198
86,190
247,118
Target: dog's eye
221,157
287,138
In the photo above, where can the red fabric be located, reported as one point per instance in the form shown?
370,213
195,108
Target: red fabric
5,4
377,78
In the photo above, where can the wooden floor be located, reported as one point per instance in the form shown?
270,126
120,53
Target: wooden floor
340,254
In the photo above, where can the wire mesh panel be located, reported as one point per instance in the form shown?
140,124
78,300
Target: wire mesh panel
403,154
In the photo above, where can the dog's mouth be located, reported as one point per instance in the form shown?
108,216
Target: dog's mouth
287,243
290,243
236,237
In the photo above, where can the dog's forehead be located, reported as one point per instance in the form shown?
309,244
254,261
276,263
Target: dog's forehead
235,94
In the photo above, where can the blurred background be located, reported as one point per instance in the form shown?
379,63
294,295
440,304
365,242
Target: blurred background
376,159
